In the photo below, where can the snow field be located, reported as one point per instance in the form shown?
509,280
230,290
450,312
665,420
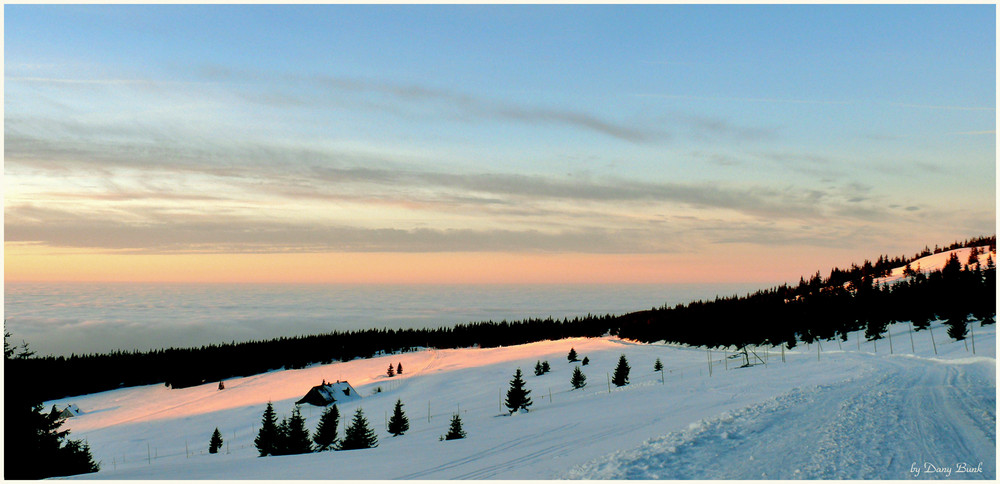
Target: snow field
572,434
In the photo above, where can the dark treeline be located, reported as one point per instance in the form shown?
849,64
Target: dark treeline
183,367
818,308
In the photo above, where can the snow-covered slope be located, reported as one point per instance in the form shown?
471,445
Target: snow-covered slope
937,261
853,413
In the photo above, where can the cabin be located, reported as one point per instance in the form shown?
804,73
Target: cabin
329,393
69,411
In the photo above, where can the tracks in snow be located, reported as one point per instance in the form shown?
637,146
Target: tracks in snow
911,411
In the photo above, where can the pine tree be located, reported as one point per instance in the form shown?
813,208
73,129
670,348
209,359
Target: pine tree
973,256
326,431
545,367
572,355
586,361
281,442
620,378
579,380
358,435
399,369
391,371
517,395
34,447
658,365
455,430
398,423
268,436
538,368
297,439
215,443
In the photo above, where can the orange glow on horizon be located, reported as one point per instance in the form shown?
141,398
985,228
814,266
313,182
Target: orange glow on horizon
741,264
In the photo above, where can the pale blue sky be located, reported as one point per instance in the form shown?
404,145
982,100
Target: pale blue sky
582,129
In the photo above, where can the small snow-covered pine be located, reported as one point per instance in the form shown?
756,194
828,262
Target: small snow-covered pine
455,430
398,423
358,435
215,443
579,380
326,432
517,395
267,437
620,378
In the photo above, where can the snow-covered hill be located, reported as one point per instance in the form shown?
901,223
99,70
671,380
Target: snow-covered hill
937,261
839,411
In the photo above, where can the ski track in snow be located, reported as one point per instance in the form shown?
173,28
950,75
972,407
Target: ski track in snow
915,412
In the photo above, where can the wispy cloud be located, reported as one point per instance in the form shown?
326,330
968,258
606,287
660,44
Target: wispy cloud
944,107
767,100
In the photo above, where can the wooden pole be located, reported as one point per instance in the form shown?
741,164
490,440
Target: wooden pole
709,361
817,350
186,453
661,377
931,330
149,455
609,383
859,340
890,341
550,394
913,348
782,352
973,333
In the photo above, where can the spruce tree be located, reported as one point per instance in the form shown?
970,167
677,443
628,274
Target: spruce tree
517,395
586,361
538,368
398,423
579,380
455,430
297,439
215,443
281,442
957,324
34,447
358,435
326,431
620,378
399,369
545,367
973,256
572,355
267,436
391,371
658,365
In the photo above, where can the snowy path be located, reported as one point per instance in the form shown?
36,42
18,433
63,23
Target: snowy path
911,412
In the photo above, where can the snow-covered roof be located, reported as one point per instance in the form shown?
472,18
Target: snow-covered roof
331,392
70,410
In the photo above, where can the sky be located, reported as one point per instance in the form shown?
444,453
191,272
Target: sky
491,144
